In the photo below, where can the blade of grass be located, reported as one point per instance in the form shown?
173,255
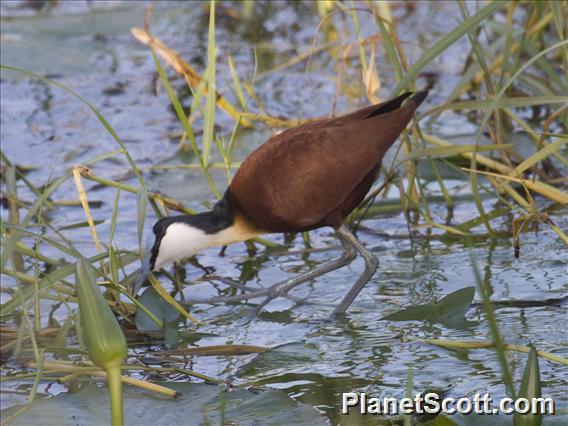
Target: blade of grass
538,137
66,248
236,83
543,64
542,188
451,150
357,29
447,41
494,329
11,195
114,218
529,32
48,281
142,205
511,7
459,344
33,210
530,390
383,18
468,75
537,157
154,196
472,223
559,21
191,76
185,123
517,102
26,251
86,208
501,92
210,77
478,51
80,225
166,296
448,229
95,111
476,197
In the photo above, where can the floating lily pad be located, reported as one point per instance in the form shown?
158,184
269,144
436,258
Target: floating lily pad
281,359
159,307
199,404
165,312
450,310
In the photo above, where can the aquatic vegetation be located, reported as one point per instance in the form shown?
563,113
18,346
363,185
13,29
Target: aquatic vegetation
101,334
482,169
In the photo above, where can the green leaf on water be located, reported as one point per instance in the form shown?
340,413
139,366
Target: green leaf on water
171,334
450,310
281,360
159,307
198,404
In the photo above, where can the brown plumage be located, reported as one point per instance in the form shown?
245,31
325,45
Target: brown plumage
304,178
314,175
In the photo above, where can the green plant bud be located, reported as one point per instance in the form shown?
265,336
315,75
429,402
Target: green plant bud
101,332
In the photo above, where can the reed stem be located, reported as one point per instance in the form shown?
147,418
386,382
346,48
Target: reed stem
115,388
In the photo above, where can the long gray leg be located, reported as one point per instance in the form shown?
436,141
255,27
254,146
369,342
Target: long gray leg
349,253
280,289
350,244
371,265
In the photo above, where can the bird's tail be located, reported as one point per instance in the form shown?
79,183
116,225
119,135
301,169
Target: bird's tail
419,97
394,104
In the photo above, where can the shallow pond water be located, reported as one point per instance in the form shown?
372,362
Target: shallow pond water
88,47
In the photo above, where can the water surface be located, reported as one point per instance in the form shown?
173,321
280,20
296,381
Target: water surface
88,47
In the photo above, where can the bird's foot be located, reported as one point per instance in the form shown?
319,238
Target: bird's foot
273,292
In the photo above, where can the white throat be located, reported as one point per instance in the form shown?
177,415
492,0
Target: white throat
182,241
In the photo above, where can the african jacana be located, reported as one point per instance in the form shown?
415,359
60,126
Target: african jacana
304,178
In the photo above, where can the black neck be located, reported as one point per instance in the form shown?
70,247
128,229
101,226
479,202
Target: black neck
220,217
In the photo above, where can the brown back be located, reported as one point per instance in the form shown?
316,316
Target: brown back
315,174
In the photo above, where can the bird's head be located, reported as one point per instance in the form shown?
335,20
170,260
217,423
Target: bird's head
179,237
173,238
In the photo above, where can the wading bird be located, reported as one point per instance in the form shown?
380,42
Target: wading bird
304,178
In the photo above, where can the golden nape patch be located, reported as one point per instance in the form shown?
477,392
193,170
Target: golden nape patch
241,230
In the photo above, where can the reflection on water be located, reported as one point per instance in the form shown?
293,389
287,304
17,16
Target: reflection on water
88,47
